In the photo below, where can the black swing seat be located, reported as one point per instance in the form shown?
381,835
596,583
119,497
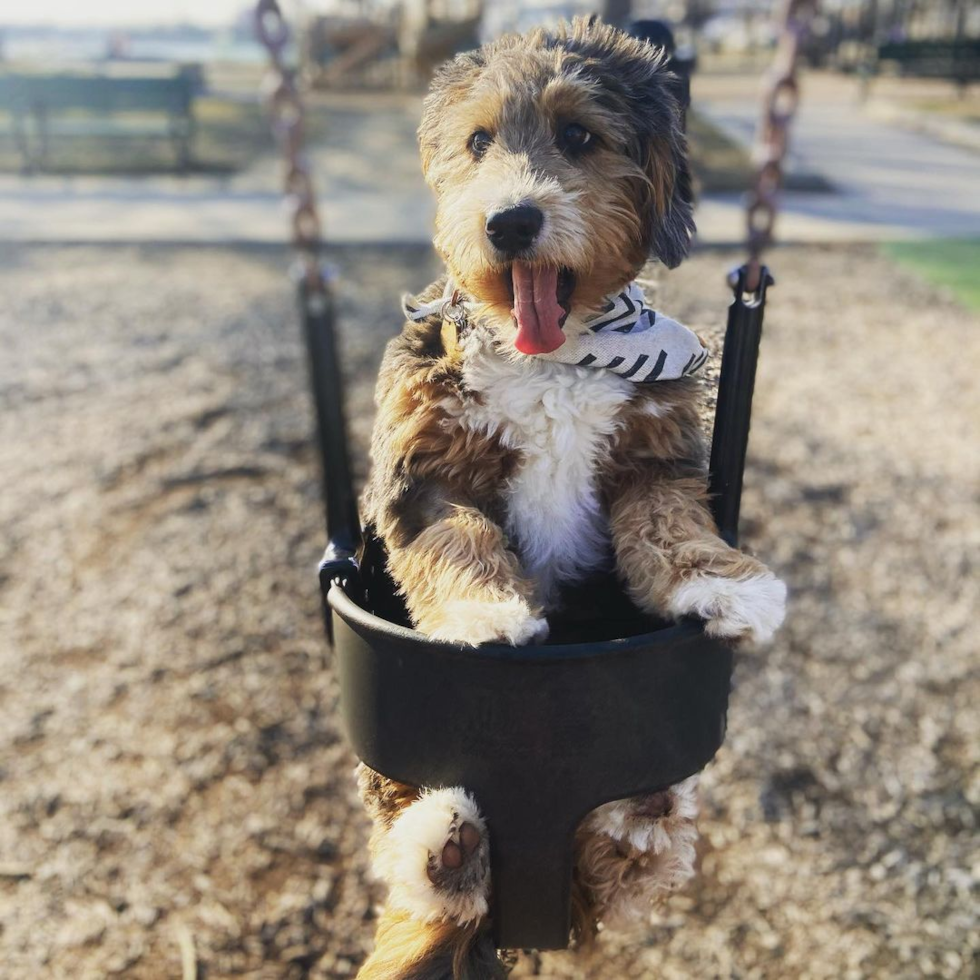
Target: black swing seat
614,705
539,735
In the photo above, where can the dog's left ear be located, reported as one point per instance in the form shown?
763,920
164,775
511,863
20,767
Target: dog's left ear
651,96
669,205
667,200
637,84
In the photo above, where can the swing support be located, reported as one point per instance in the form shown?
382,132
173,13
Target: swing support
540,735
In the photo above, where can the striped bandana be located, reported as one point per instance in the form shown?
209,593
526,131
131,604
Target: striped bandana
626,337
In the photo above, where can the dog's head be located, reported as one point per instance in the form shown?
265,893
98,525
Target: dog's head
559,166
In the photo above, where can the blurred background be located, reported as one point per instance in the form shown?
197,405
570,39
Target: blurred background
176,797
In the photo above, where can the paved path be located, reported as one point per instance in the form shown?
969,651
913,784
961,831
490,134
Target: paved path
197,210
891,183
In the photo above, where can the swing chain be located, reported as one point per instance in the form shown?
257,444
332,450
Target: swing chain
780,102
287,115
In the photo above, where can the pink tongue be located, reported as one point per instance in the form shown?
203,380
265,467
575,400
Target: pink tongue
536,309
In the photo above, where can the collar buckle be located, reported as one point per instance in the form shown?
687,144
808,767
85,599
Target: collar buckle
454,309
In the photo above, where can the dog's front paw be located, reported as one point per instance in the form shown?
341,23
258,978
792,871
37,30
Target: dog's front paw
436,858
752,607
474,621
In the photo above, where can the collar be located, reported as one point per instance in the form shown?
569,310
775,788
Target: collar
626,337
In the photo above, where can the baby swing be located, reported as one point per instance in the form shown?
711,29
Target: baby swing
540,735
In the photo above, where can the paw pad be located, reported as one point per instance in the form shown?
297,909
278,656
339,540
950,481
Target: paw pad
436,858
462,861
654,806
651,823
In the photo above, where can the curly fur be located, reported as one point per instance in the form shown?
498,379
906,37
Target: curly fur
626,863
498,480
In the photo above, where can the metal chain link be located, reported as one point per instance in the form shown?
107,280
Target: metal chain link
287,114
780,102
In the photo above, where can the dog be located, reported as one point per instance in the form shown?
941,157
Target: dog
503,471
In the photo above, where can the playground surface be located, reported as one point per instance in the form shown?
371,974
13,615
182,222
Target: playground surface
174,786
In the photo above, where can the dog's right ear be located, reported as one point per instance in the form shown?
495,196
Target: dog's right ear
449,85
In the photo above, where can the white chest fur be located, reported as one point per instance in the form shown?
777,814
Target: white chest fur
561,419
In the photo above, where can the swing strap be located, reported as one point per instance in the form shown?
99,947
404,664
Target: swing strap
733,407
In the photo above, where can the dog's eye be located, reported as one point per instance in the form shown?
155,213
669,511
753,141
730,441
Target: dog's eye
575,137
480,142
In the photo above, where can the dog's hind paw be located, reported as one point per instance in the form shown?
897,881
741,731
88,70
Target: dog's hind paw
655,823
752,607
634,852
436,858
475,621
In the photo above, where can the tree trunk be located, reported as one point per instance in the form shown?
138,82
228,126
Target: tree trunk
617,12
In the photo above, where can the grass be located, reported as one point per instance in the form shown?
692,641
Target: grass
965,109
721,164
229,135
953,264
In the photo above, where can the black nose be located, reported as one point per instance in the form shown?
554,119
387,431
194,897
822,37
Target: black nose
515,229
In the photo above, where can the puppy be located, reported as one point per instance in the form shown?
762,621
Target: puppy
506,469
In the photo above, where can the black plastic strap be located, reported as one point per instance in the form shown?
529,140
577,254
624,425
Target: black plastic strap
734,406
318,315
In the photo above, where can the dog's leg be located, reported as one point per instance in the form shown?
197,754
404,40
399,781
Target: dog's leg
407,949
631,854
462,583
430,847
674,563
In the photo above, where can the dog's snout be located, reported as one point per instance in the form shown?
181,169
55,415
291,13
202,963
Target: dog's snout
515,229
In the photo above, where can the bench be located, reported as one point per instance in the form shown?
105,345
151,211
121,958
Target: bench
955,60
107,103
